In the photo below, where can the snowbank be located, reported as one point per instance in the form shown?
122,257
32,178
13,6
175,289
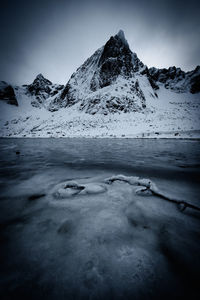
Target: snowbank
171,115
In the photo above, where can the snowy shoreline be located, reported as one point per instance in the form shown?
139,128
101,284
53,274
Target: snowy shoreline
101,137
176,135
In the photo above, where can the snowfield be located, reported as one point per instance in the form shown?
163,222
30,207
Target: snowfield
171,115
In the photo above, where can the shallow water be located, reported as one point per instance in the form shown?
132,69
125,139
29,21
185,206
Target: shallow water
112,244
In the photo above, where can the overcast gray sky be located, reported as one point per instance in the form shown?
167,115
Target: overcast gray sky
54,37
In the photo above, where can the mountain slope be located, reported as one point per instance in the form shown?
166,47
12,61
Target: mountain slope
171,115
109,81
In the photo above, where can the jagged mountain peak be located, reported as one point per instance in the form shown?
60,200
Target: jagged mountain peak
118,48
115,47
109,81
120,35
41,79
42,90
115,60
40,76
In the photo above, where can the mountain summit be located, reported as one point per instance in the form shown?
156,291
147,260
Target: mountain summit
116,59
121,36
109,81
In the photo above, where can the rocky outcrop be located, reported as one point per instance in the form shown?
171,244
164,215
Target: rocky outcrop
194,79
7,93
176,79
43,89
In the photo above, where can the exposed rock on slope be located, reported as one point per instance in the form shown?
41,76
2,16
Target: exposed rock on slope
194,80
109,81
116,59
177,80
43,89
7,93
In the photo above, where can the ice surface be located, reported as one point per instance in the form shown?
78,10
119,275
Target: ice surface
112,242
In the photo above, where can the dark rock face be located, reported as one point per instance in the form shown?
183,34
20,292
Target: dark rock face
43,88
195,85
166,76
176,79
163,75
116,59
65,92
195,80
7,93
40,86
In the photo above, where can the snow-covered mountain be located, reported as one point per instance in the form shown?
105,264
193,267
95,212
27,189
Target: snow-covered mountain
44,90
109,81
114,79
112,94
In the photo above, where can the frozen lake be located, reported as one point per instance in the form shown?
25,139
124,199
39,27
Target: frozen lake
71,229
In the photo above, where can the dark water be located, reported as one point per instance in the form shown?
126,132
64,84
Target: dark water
112,245
138,156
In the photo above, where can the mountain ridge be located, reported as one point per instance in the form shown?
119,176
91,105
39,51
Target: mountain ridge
111,80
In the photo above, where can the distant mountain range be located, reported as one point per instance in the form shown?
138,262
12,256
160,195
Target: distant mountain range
112,80
113,94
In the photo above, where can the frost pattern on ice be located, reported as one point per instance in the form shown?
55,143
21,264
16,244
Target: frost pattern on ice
134,180
145,187
150,187
69,189
72,188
